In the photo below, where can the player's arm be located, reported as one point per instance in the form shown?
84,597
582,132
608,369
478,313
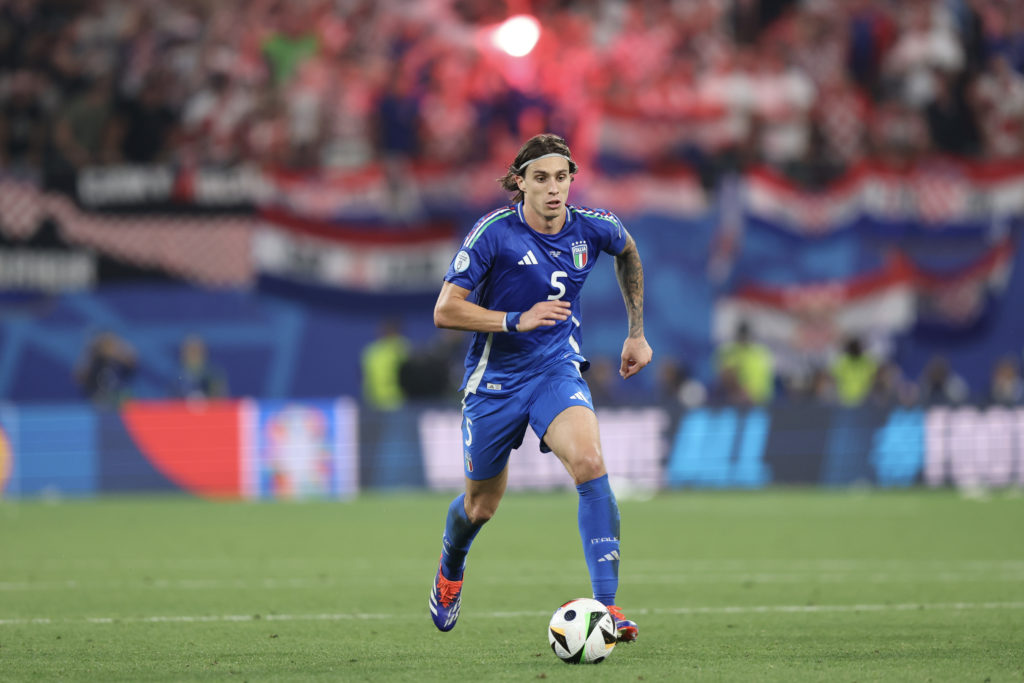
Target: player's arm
636,353
454,311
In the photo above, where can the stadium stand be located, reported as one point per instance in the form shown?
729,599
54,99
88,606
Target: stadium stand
167,136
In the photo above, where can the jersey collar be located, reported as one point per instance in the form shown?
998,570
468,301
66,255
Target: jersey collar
522,218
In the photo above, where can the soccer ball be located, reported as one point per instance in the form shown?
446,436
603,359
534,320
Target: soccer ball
582,632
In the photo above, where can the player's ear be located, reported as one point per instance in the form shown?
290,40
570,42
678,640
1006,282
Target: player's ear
520,183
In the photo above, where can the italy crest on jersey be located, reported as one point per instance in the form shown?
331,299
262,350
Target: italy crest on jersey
580,256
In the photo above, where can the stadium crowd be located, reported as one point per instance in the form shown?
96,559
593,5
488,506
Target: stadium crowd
808,86
746,375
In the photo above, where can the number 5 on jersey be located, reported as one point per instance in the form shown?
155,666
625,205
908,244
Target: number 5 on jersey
557,285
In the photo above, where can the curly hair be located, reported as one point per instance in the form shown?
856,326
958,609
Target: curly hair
537,146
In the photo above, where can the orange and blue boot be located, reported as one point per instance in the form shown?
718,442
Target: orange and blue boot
445,600
625,629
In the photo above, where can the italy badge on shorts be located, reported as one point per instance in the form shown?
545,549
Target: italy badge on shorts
579,255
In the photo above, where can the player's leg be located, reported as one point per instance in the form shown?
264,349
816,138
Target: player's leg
575,438
491,428
562,412
466,515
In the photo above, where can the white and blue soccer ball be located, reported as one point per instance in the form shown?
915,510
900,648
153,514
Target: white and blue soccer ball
582,632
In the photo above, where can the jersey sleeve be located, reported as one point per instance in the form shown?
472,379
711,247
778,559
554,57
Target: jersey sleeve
472,262
611,237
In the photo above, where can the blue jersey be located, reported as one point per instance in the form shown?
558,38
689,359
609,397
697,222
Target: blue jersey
509,266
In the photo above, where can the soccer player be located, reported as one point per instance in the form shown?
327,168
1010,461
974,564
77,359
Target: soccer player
516,284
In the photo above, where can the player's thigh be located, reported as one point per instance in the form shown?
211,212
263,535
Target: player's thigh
491,428
575,438
561,413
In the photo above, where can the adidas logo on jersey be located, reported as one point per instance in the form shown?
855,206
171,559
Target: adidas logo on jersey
579,397
529,259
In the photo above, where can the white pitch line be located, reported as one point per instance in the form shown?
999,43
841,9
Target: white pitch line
810,609
168,584
801,577
682,611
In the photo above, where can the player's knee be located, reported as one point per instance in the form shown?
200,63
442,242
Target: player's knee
588,467
480,511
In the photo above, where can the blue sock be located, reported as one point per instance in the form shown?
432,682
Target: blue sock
599,530
459,533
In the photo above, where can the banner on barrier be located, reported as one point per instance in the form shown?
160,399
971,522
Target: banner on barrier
312,449
300,449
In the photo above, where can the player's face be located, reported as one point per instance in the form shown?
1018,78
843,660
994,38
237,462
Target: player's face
545,186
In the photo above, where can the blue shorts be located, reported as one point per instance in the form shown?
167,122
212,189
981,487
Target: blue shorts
493,426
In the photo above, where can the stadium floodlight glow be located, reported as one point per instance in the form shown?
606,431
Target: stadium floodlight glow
517,36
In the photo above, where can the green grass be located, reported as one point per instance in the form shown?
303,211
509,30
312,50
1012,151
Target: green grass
780,585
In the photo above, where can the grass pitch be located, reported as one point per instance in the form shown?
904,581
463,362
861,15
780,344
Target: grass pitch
778,585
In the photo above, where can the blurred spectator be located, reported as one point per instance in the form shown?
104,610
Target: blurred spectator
435,371
897,133
397,111
841,117
671,376
144,124
746,369
1003,22
263,131
726,389
818,43
822,386
381,363
951,123
293,44
891,388
871,31
998,95
927,48
199,378
726,86
106,369
444,114
84,132
677,386
782,100
305,116
212,121
20,21
1006,387
815,384
349,115
853,373
22,124
939,385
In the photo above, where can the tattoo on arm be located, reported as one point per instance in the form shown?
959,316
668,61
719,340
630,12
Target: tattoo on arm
630,274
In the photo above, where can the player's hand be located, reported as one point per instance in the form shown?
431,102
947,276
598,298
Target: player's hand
636,353
544,314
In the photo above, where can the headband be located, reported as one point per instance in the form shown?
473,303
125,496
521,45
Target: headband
523,165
